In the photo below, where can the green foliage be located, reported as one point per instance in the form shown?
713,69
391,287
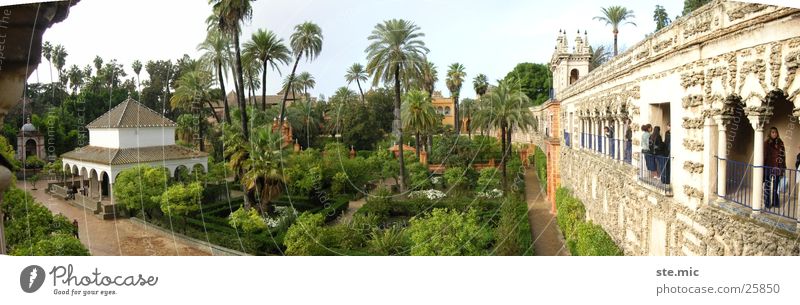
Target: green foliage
462,151
59,244
31,229
661,17
181,199
583,238
513,232
390,241
443,232
247,221
535,80
139,187
540,161
7,151
419,176
460,178
488,180
34,162
691,5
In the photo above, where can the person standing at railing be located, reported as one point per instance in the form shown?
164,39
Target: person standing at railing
647,150
774,165
658,151
609,132
628,137
665,171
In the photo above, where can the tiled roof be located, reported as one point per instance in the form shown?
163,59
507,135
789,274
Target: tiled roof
113,156
130,114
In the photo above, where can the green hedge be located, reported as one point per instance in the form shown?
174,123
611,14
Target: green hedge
513,232
540,161
583,238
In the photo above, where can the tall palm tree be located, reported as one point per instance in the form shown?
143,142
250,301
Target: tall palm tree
47,51
419,114
252,69
395,50
505,107
304,82
137,68
263,169
455,79
428,77
467,110
98,64
193,89
269,50
230,14
75,78
599,57
305,41
306,119
215,53
480,83
615,16
357,73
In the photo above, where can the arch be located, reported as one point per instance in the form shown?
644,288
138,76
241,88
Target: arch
573,76
181,173
447,110
440,110
74,170
93,174
84,173
30,148
105,184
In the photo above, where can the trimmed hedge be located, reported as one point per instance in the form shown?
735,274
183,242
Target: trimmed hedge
540,161
513,233
583,238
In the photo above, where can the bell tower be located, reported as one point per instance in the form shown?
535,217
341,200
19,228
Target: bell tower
568,66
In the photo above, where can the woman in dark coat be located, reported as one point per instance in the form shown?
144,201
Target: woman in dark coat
658,151
665,179
774,166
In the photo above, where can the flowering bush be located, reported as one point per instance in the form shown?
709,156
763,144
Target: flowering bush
430,194
494,193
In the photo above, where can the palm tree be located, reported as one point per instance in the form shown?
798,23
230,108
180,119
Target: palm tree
304,82
304,118
455,79
305,41
137,68
480,83
270,50
193,89
215,52
252,69
47,51
615,16
357,73
599,57
229,16
263,169
505,107
428,77
395,50
98,63
467,109
419,114
75,78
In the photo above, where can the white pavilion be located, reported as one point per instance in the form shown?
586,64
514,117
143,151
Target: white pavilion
128,135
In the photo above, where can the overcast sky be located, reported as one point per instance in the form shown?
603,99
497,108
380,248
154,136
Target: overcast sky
488,37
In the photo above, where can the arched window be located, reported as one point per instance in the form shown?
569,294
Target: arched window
573,76
439,110
447,110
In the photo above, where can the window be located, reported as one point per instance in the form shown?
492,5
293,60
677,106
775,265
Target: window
573,76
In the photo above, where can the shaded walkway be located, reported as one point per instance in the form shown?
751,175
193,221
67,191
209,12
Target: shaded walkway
113,237
547,238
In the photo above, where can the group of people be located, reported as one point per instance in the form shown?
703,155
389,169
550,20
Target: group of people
656,152
74,190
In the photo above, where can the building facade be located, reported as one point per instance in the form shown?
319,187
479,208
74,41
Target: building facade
724,75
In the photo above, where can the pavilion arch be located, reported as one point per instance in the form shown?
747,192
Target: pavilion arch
199,168
180,172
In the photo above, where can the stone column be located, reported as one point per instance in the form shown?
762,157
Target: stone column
722,154
618,133
709,162
758,121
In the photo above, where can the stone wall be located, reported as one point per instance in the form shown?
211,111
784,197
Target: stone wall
644,222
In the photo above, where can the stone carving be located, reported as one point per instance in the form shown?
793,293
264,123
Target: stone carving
792,63
775,63
663,45
758,67
701,25
692,101
692,192
693,145
690,79
741,11
689,123
693,167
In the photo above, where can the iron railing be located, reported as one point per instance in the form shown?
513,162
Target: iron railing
781,187
655,171
567,139
627,157
583,140
738,182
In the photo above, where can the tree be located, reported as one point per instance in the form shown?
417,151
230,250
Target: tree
269,50
305,120
428,77
247,221
192,92
661,17
448,233
616,16
252,69
480,83
180,200
263,170
395,53
229,15
75,76
599,56
215,52
691,5
137,68
357,73
304,82
302,238
305,41
505,108
419,113
467,109
137,188
98,63
535,80
455,79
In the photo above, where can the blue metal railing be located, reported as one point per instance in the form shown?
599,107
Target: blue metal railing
781,187
599,143
583,140
628,156
567,139
655,171
612,148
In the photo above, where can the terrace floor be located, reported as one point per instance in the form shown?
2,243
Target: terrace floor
114,237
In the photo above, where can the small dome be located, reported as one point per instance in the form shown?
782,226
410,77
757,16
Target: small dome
28,127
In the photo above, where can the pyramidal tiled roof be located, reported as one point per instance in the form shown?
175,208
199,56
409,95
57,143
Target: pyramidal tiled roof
131,114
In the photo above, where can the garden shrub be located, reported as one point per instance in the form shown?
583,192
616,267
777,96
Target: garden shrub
302,238
59,244
443,232
540,161
390,241
460,178
488,180
513,232
583,238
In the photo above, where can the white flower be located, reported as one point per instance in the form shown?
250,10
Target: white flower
430,194
495,193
